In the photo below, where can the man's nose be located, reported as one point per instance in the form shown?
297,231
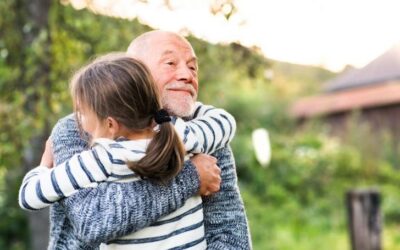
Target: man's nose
184,73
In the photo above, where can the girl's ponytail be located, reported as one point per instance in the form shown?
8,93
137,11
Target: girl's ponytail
164,156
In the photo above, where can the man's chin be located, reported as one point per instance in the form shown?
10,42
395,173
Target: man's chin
181,109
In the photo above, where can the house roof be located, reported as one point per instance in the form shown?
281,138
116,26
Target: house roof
356,98
384,68
376,84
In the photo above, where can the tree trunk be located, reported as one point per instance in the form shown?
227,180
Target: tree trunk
34,20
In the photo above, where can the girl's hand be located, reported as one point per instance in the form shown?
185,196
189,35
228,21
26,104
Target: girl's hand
47,157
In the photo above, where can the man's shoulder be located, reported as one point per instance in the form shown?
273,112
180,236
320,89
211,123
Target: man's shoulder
66,122
67,119
65,126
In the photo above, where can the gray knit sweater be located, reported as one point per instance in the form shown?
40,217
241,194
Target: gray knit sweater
112,210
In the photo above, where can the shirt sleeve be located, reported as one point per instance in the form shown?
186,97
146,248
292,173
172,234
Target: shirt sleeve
225,219
209,130
42,186
113,210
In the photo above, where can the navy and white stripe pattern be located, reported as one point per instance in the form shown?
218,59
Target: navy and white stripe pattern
210,130
42,186
105,161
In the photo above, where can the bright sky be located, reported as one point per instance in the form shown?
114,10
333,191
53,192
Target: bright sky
328,33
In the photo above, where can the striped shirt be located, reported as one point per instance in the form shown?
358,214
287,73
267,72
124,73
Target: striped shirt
105,161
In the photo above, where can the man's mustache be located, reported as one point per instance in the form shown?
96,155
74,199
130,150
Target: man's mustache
182,87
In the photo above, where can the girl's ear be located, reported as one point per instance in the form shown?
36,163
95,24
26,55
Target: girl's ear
113,127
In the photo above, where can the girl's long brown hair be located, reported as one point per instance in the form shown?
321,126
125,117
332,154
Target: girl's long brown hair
121,87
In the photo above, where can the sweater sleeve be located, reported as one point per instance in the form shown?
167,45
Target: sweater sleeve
210,129
225,219
113,210
42,186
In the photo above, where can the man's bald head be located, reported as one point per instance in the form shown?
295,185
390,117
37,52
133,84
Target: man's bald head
143,44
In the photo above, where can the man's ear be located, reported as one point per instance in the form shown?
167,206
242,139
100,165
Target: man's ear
113,126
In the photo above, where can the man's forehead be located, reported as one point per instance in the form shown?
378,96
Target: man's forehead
177,52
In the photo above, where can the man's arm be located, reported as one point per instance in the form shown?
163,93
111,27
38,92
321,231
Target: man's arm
224,215
115,209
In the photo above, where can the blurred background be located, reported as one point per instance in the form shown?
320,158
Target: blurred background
313,85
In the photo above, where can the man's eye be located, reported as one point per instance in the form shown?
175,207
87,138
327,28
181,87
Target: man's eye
170,63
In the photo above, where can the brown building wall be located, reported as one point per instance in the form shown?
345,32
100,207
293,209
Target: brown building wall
378,120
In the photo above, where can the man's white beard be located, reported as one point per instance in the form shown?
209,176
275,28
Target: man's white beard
182,107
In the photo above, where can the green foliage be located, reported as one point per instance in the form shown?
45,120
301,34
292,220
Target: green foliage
290,75
298,200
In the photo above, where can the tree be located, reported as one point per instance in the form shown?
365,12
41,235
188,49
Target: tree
27,41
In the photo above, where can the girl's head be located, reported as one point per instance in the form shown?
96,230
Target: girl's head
115,87
115,96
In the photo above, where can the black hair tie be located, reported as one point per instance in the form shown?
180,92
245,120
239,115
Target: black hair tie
161,116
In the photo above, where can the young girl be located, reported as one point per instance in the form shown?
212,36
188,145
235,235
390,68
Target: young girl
117,103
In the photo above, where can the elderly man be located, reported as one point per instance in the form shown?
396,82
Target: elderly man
113,210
